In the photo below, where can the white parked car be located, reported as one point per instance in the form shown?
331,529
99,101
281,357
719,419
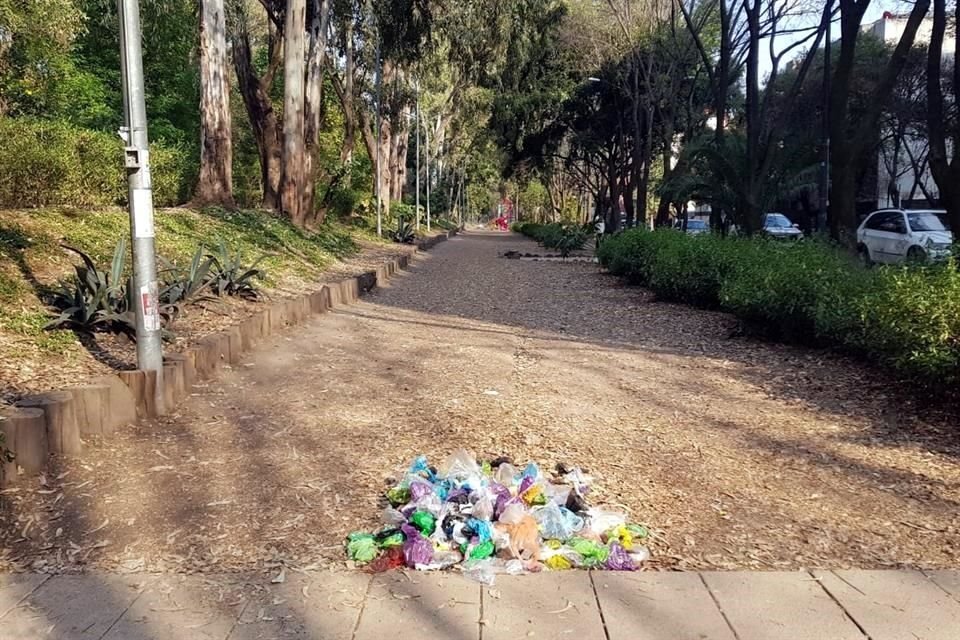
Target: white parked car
894,235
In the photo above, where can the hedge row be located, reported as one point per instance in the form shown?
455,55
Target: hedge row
907,318
53,163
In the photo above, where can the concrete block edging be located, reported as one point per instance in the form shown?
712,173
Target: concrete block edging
53,422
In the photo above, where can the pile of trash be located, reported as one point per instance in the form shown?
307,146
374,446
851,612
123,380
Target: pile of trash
494,518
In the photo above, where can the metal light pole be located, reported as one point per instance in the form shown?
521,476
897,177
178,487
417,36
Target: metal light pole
379,177
426,136
418,155
140,196
825,141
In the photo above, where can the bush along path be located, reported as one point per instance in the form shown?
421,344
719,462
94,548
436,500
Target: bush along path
906,318
732,453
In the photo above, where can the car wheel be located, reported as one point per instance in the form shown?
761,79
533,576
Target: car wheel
916,255
864,254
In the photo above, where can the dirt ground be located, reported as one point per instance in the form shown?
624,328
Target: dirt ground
738,453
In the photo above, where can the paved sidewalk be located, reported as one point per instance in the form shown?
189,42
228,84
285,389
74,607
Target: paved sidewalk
838,605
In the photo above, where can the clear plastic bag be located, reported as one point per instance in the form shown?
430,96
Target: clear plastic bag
481,571
461,465
601,521
393,517
506,475
557,523
483,504
513,513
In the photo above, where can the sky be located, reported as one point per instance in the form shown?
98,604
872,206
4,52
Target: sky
874,13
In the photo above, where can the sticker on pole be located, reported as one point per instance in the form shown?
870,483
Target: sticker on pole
142,207
149,305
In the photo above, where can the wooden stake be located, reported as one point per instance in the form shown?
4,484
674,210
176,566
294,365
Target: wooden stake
25,432
59,412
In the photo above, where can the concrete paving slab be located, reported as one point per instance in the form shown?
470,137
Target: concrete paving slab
196,607
891,605
420,605
947,580
74,607
659,606
546,605
779,606
304,607
15,587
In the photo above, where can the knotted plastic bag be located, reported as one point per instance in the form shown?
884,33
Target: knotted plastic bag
417,550
619,559
593,552
461,465
557,522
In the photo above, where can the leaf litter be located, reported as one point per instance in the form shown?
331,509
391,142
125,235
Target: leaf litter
718,440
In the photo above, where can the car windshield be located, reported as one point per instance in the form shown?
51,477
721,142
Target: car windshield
696,224
925,221
777,221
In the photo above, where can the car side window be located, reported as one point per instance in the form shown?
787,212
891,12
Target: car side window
877,220
895,224
889,221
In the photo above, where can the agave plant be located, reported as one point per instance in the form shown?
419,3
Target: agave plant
186,284
230,276
95,300
405,233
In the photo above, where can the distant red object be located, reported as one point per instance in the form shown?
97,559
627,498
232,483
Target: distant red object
501,223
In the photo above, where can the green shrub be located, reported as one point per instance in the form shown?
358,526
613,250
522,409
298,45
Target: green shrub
53,163
907,318
911,320
783,288
565,238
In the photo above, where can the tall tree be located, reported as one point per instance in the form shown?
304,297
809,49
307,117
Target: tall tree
294,92
944,126
851,141
313,106
215,184
256,88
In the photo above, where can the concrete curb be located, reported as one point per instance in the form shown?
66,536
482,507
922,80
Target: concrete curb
54,421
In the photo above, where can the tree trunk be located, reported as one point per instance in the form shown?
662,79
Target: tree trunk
294,94
215,183
634,214
945,169
645,159
348,104
750,219
263,119
393,163
400,173
313,106
721,90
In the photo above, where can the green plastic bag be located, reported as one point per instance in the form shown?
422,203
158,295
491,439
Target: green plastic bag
398,496
593,553
424,521
478,552
361,547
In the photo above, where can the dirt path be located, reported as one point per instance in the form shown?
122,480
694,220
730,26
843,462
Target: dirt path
738,453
